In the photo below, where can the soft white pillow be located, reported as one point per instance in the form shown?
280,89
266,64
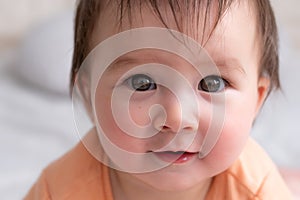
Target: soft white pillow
44,57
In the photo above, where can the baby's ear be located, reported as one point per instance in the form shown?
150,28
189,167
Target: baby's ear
263,87
82,85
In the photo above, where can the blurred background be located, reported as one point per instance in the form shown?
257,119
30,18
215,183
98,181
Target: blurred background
36,119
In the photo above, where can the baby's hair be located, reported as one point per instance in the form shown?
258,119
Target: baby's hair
88,12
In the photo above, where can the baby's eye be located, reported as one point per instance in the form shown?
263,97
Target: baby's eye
212,83
141,82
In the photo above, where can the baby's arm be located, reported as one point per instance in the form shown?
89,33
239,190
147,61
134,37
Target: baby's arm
39,190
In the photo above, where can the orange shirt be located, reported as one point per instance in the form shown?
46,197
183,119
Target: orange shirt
78,175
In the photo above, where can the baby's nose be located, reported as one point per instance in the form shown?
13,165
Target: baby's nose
181,112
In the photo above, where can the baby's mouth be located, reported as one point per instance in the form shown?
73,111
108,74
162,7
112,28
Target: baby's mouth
178,157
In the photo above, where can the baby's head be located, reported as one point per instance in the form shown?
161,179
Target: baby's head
89,12
194,116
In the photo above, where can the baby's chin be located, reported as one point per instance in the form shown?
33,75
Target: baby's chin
175,178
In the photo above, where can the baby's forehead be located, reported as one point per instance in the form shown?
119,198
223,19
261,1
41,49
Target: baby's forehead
237,27
194,18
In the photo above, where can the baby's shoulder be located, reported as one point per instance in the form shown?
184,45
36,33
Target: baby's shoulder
252,176
75,161
252,166
74,172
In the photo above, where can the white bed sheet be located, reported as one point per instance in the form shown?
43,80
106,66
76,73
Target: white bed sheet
35,128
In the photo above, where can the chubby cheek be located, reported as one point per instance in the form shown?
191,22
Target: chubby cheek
235,133
140,113
123,124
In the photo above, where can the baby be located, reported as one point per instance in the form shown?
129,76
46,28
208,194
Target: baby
171,90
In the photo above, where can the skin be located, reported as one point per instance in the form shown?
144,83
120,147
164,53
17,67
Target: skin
234,43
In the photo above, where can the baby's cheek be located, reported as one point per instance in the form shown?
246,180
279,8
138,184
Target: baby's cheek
116,129
237,126
140,114
233,138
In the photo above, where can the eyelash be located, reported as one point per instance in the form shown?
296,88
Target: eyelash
149,85
205,82
203,85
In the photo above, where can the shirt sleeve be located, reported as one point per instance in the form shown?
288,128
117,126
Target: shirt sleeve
39,190
273,187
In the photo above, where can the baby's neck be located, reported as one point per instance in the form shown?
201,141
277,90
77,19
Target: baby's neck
126,187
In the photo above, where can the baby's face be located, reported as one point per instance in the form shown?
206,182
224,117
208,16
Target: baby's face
175,105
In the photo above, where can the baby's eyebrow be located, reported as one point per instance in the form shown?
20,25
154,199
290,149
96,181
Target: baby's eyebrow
129,61
123,61
225,64
230,64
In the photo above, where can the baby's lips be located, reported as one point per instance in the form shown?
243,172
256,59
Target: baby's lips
175,157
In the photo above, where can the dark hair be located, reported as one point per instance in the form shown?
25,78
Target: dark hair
88,12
